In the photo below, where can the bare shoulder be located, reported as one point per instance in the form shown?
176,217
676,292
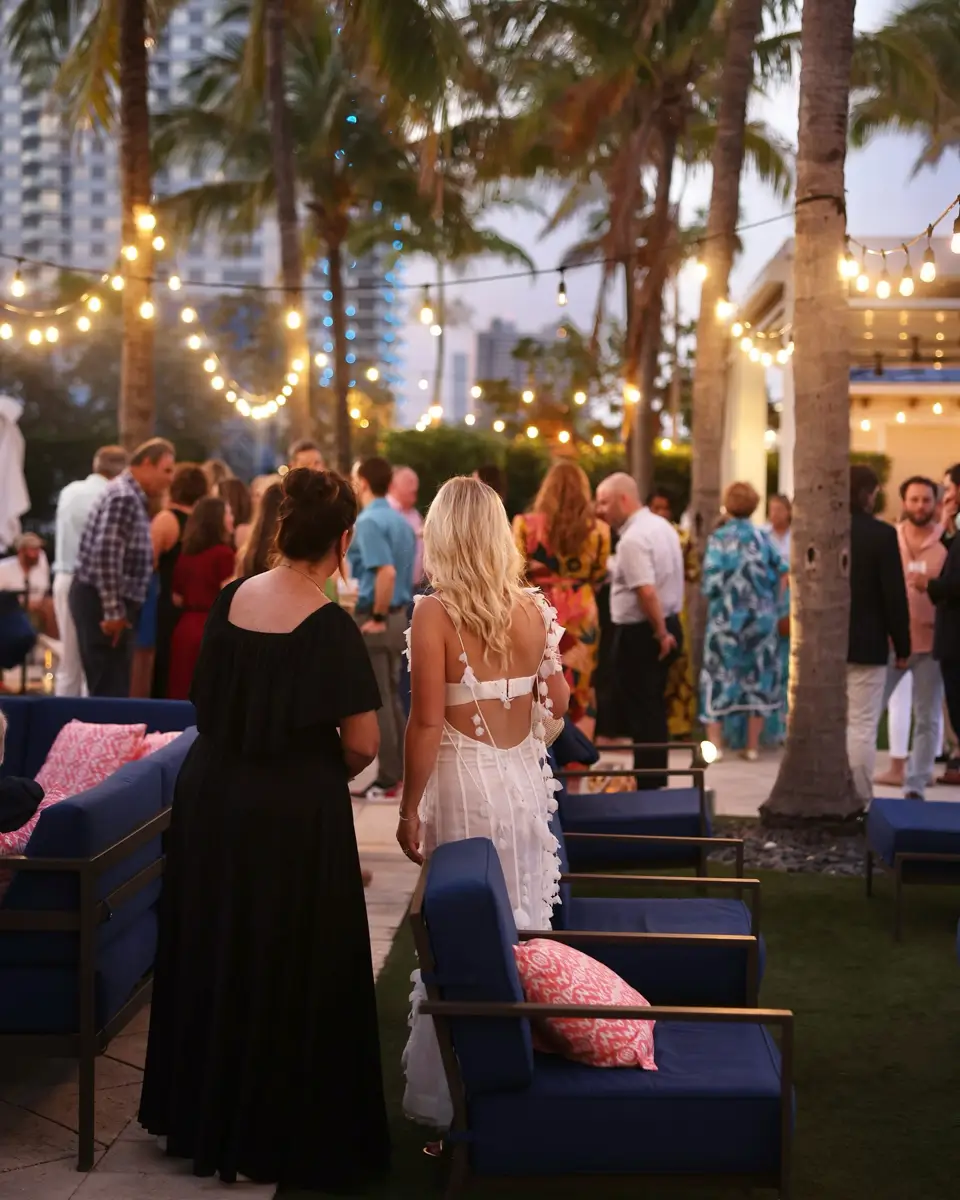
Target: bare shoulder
429,614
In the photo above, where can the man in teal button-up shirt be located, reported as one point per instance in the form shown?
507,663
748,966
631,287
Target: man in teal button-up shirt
381,558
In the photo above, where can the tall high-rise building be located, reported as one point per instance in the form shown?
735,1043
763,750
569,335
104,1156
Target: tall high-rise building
61,203
495,347
459,392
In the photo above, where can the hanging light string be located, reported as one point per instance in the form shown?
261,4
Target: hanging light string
175,282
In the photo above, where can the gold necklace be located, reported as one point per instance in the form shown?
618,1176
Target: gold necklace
291,567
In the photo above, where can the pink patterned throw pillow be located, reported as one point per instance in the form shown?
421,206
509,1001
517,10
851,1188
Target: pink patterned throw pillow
85,754
554,973
156,741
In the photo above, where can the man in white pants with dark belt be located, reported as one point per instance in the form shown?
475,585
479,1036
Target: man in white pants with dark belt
73,507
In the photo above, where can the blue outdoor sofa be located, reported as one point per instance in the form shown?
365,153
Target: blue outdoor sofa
720,1104
78,923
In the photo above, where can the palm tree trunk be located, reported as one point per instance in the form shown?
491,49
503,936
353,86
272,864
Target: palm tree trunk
814,778
710,378
441,340
136,415
341,370
291,253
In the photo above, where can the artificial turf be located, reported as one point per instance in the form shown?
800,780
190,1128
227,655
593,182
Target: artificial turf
877,1050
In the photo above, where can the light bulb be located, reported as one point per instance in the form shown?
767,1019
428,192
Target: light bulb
782,356
231,397
901,418
364,424
145,220
210,365
194,341
355,414
562,291
499,426
94,304
147,310
321,360
754,355
286,390
293,378
297,365
563,436
863,279
280,400
469,419
83,324
130,253
273,407
666,443
906,281
217,383
188,315
435,411
436,330
746,344
597,440
423,385
736,329
631,393
174,283
158,243
532,432
865,425
116,282
883,286
527,396
243,408
476,391
34,337
955,240
373,374
6,331
938,409
766,358
928,270
426,309
725,310
294,320
52,333
579,397
17,287
701,269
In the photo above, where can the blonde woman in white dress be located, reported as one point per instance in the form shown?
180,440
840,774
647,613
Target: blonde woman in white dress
486,682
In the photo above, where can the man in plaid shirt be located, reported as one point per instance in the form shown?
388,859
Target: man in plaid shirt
114,567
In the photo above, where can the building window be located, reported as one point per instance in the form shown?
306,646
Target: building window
97,199
98,224
98,171
98,249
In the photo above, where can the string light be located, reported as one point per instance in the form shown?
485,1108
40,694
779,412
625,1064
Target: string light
865,425
532,432
217,383
435,411
597,440
130,253
562,291
736,329
293,378
436,330
928,269
188,315
700,267
147,310
355,414
194,341
426,308
469,419
116,283
527,397
174,283
297,365
476,391
159,243
906,279
294,320
321,359
631,393
666,443
563,436
144,219
423,385
84,324
955,240
94,304
848,264
938,409
210,365
883,283
6,331
286,390
499,426
52,334
17,286
579,397
373,374
901,418
34,337
231,396
725,310
863,279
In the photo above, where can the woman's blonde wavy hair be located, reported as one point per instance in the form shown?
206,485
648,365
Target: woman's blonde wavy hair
472,560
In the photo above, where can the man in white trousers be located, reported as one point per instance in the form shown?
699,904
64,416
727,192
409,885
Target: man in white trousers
73,507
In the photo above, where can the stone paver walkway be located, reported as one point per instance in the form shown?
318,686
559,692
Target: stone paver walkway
38,1099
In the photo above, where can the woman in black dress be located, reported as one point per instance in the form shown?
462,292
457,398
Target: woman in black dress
263,1057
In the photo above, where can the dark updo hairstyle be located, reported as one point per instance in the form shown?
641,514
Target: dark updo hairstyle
317,509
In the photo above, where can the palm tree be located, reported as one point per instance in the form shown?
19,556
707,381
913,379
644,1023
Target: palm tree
94,57
814,778
743,25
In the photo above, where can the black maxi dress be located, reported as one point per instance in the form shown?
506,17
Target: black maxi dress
263,1056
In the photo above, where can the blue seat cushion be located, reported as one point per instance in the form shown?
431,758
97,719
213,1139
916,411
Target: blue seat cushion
80,827
50,713
472,933
698,976
913,827
713,1106
667,812
572,746
17,711
170,759
45,999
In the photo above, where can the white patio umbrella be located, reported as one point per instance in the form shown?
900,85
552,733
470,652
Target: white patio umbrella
14,497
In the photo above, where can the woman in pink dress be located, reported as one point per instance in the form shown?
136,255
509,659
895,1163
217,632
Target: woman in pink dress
205,564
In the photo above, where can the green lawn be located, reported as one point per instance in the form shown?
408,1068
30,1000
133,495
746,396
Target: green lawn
877,1049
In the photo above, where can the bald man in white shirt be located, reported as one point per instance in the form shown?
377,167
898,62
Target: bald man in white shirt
646,598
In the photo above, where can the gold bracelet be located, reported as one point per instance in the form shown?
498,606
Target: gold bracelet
403,818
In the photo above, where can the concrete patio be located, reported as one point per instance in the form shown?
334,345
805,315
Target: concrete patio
38,1099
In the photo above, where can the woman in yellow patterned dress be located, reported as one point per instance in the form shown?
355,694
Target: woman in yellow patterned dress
566,550
681,698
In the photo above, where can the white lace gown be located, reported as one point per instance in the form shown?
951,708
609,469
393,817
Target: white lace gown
480,790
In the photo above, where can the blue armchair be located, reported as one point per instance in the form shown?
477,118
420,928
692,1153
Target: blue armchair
720,1105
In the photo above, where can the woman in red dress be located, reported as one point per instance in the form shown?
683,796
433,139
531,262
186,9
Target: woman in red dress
205,564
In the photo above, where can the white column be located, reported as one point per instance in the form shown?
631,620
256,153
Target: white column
745,424
788,432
